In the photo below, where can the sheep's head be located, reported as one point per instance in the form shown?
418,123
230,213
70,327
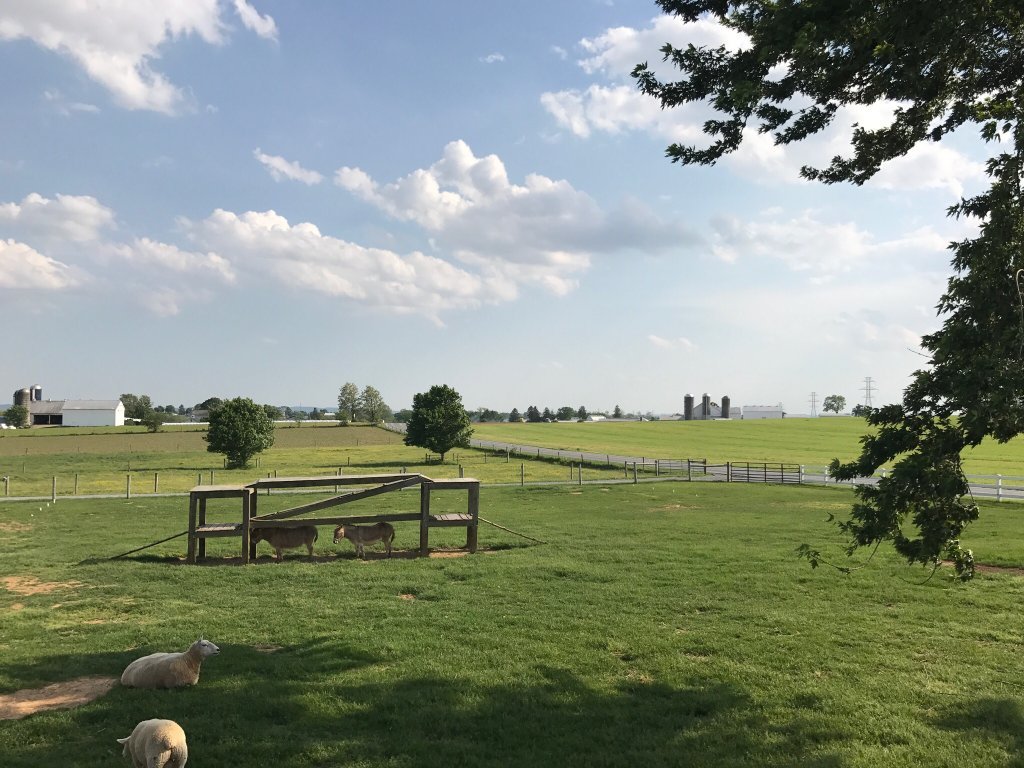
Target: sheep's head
339,533
205,648
256,535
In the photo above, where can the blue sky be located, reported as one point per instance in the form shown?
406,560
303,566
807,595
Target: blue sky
270,199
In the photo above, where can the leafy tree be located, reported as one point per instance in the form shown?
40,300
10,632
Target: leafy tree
348,400
153,420
239,428
565,413
547,415
181,409
581,413
209,404
287,412
16,416
487,414
861,410
834,403
515,417
533,414
372,405
136,406
946,65
439,421
403,415
272,411
617,413
299,416
314,415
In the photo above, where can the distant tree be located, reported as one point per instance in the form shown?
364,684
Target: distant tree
181,410
272,411
533,414
861,410
209,404
153,420
617,413
239,428
515,417
348,400
439,421
487,414
372,405
136,406
16,416
299,416
581,413
834,403
547,415
565,413
314,415
287,412
403,416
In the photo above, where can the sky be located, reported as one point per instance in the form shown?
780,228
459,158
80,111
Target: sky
270,198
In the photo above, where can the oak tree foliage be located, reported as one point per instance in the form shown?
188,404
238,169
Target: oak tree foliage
239,428
439,421
946,65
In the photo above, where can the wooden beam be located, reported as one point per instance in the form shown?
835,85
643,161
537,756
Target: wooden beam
425,519
193,504
345,498
390,517
320,481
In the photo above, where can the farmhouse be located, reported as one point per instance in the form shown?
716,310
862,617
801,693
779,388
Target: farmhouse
69,413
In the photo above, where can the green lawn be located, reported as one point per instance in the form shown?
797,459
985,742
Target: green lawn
665,624
813,442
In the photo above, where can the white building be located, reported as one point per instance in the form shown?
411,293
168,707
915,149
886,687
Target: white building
763,412
93,413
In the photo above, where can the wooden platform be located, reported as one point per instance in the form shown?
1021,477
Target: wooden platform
199,530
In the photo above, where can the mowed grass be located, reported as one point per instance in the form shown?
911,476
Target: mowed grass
813,442
175,459
665,624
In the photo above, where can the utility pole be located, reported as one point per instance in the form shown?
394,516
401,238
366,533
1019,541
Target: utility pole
814,403
867,389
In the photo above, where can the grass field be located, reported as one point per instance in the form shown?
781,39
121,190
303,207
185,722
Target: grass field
813,442
665,624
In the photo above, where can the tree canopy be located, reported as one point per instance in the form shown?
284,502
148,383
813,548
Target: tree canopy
348,400
833,403
439,421
944,65
239,428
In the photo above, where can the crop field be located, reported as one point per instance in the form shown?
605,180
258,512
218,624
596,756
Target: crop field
665,624
813,442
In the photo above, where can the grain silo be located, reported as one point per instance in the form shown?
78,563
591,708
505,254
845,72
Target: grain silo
705,406
725,406
23,397
688,408
37,393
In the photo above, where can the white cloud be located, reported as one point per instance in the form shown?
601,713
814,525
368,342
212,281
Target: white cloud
615,105
115,42
145,252
262,25
541,231
280,168
560,52
77,219
680,342
492,58
302,257
22,268
67,108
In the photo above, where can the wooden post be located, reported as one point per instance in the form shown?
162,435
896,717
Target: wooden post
253,512
579,476
192,507
474,512
156,482
246,512
211,478
657,467
199,480
689,473
128,486
424,519
634,473
801,474
999,487
7,485
53,490
462,472
202,521
522,474
76,483
728,471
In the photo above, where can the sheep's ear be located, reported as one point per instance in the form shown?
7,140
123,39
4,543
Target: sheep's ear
122,741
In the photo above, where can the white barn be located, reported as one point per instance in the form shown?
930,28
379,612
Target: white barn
93,413
763,412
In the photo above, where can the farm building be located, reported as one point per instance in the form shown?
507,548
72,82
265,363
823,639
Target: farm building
763,412
69,413
706,409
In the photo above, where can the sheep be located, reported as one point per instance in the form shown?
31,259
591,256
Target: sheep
169,670
366,534
156,744
285,538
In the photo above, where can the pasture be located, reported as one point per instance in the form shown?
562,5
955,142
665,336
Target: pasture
813,442
664,624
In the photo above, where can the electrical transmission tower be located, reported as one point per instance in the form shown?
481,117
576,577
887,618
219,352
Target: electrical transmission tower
814,403
867,389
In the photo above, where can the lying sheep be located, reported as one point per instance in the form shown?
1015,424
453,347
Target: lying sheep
366,534
285,538
169,670
156,744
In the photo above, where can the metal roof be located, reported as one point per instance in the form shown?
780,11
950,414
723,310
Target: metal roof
91,405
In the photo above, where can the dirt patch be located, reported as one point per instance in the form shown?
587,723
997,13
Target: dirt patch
673,507
29,585
407,596
17,606
267,648
1010,570
13,527
66,695
444,553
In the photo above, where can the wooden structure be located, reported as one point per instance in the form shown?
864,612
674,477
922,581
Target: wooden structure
248,495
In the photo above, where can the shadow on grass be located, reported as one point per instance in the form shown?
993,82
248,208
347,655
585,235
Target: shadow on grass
999,718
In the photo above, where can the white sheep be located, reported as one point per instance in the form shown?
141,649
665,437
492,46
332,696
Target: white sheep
169,670
156,744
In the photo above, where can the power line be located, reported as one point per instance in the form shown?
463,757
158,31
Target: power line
814,403
867,389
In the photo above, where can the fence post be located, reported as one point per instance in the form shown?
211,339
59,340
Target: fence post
634,473
211,478
570,471
728,471
76,483
128,486
580,475
801,474
156,482
689,474
522,474
657,467
508,458
999,487
461,471
7,485
53,490
199,479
